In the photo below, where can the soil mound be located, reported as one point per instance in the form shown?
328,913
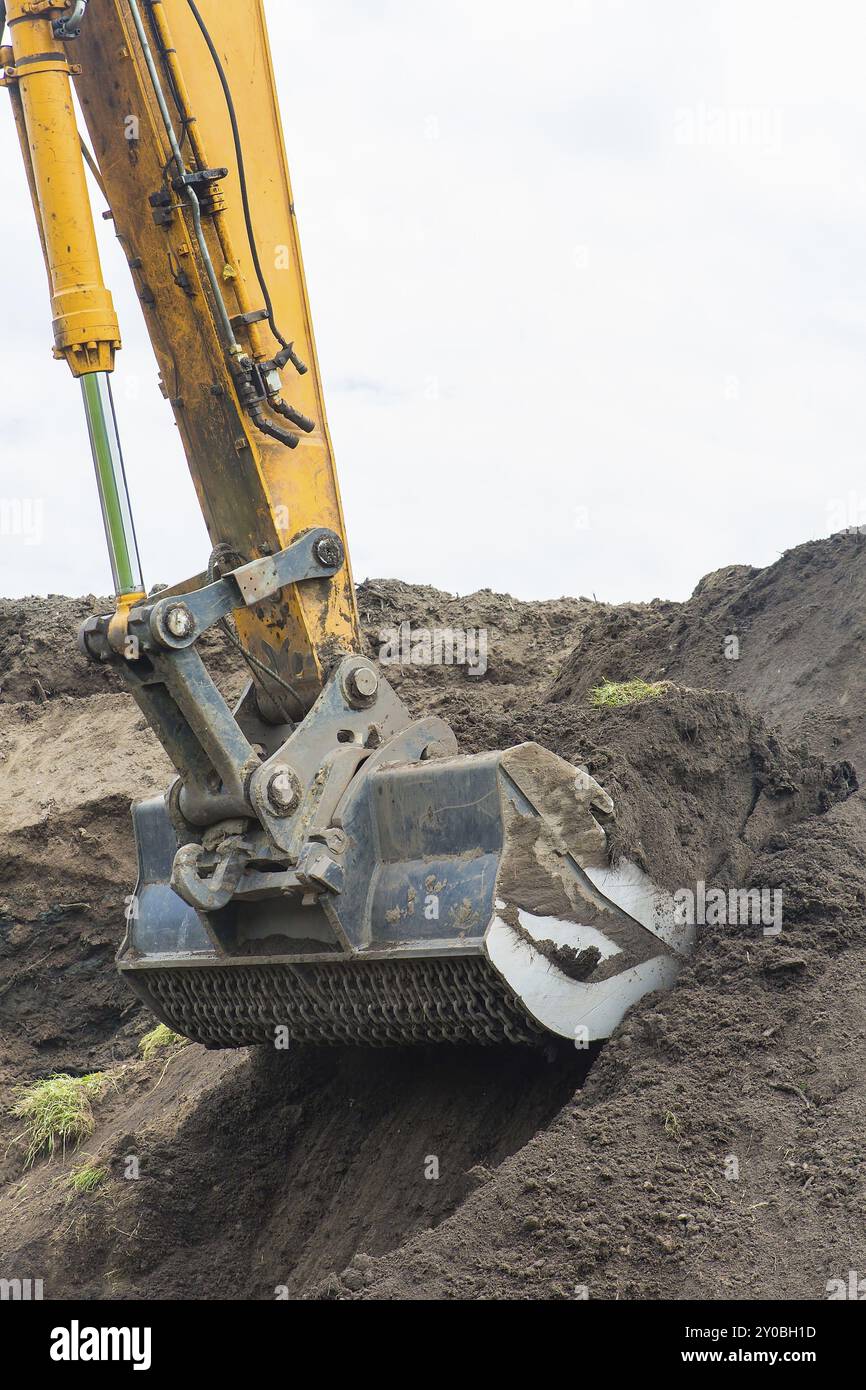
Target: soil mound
40,659
789,638
699,781
713,1148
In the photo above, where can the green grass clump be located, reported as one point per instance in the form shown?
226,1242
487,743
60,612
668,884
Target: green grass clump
57,1110
617,693
87,1178
160,1036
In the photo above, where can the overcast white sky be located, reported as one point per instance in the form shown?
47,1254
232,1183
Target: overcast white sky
589,287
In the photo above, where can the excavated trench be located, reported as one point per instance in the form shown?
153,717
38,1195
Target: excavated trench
456,1171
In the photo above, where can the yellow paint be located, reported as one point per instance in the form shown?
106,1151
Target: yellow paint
256,495
86,332
118,626
197,144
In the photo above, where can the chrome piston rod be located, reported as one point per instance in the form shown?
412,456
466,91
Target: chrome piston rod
111,482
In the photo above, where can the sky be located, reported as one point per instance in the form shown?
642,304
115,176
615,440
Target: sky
588,282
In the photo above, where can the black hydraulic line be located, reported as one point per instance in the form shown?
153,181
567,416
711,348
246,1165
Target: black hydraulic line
267,426
192,199
303,422
186,120
239,155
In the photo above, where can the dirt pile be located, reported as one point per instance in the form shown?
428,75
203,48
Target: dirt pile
713,1148
40,659
699,781
790,638
68,769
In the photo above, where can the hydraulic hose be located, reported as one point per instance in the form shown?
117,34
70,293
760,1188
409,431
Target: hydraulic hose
303,422
291,355
195,208
261,422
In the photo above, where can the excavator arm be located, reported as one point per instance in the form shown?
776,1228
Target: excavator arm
323,863
182,117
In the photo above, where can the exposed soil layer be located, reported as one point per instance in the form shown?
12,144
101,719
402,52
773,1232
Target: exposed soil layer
715,1146
790,638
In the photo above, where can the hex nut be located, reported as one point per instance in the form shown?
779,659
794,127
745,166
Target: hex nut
179,621
283,791
362,684
329,551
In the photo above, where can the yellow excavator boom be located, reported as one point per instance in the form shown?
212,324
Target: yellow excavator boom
207,303
324,863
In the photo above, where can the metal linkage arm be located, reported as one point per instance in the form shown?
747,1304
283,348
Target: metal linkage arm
154,652
174,622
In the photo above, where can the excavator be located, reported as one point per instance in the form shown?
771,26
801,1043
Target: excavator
324,867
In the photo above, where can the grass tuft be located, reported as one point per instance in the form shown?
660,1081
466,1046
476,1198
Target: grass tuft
673,1126
612,694
57,1110
158,1037
87,1178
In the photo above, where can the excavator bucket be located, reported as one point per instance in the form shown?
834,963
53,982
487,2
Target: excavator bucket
441,899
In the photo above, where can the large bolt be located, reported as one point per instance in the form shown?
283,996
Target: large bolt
179,621
283,791
329,551
362,684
